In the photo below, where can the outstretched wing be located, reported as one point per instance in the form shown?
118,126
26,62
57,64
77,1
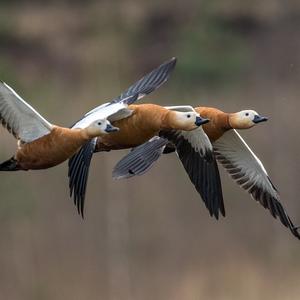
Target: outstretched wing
78,173
139,89
114,110
148,83
248,171
196,155
22,120
140,159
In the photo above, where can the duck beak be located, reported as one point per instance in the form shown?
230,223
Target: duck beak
201,121
109,128
258,119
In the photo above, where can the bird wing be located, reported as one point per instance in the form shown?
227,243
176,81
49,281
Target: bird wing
78,173
248,171
22,120
140,159
196,155
117,108
112,112
148,83
182,108
137,91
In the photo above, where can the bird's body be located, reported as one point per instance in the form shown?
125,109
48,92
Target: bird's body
51,149
41,144
145,122
230,150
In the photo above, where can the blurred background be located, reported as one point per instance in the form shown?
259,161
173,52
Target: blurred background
151,237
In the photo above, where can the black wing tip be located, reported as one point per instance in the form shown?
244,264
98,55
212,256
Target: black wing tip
295,231
214,200
223,212
277,210
79,203
81,212
217,213
172,61
169,66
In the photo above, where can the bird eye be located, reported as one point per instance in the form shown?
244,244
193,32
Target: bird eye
188,115
99,123
247,114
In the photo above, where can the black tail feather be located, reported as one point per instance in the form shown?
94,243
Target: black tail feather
9,165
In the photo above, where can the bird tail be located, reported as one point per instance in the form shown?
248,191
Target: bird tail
9,165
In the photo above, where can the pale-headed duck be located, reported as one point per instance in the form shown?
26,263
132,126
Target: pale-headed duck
41,144
230,150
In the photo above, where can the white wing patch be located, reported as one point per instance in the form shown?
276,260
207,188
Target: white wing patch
242,164
182,108
198,139
248,171
196,154
120,114
22,120
115,111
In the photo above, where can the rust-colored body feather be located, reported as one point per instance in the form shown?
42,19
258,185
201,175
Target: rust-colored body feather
51,149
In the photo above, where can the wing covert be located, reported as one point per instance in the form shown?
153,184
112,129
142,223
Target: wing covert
22,120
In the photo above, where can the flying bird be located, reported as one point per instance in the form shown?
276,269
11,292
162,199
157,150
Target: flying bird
41,144
230,150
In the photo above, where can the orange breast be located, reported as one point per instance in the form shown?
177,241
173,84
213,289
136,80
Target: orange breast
50,150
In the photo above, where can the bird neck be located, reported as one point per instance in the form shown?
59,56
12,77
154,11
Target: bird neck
168,120
90,133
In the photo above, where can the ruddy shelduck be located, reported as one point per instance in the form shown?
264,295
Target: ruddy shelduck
230,150
41,144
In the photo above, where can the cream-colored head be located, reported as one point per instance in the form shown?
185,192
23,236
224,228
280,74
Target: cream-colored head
183,120
245,119
100,127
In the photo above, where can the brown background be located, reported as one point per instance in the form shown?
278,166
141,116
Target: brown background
151,237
